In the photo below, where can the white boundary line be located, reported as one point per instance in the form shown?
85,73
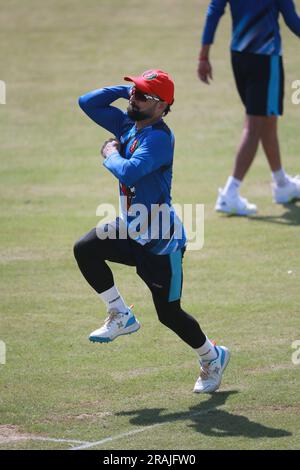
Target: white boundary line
45,439
119,436
71,441
139,430
88,445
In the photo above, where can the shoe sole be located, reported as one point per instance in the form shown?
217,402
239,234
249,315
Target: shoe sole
287,201
226,361
95,339
235,212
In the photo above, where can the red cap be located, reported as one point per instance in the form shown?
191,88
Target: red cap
155,82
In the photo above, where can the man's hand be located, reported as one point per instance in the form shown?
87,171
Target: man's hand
109,147
204,71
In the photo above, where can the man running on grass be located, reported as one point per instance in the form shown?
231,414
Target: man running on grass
140,156
258,70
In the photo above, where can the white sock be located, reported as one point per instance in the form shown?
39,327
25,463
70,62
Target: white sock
113,299
232,186
280,177
207,351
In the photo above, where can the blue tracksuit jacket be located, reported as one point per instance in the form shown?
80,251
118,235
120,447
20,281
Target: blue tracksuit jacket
255,26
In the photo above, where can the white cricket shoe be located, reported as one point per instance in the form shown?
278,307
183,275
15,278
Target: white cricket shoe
288,192
234,204
116,324
211,372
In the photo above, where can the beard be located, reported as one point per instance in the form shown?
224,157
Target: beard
136,115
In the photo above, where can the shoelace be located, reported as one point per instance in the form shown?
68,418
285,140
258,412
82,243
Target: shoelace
113,315
204,371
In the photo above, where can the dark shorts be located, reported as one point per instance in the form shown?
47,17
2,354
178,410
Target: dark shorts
260,82
162,273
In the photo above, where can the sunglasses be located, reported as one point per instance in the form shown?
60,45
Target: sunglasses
139,95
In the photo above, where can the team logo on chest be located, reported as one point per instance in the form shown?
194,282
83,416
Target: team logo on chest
134,145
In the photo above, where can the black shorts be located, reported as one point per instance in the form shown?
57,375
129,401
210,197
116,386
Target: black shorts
163,274
260,82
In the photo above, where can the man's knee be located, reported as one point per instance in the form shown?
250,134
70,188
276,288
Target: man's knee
83,247
78,248
254,126
167,312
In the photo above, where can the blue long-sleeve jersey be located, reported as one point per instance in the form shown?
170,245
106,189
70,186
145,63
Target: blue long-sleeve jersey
255,25
143,167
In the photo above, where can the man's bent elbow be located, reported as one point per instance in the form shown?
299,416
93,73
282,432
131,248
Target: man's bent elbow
82,101
127,178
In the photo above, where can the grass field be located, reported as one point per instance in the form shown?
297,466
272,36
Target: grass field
243,286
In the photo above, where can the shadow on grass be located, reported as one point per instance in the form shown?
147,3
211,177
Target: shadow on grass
207,419
290,217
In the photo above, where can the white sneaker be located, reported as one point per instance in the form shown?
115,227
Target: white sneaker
116,324
234,204
211,372
287,193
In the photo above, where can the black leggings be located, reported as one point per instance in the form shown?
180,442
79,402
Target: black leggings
91,253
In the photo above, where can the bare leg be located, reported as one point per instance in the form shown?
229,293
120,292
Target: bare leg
270,143
249,145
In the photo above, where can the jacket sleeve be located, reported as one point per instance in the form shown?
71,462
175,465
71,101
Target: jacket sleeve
97,105
291,18
215,10
155,151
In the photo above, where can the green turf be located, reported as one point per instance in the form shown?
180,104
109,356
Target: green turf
243,286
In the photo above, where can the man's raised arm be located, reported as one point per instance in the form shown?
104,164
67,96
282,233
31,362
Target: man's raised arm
97,105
